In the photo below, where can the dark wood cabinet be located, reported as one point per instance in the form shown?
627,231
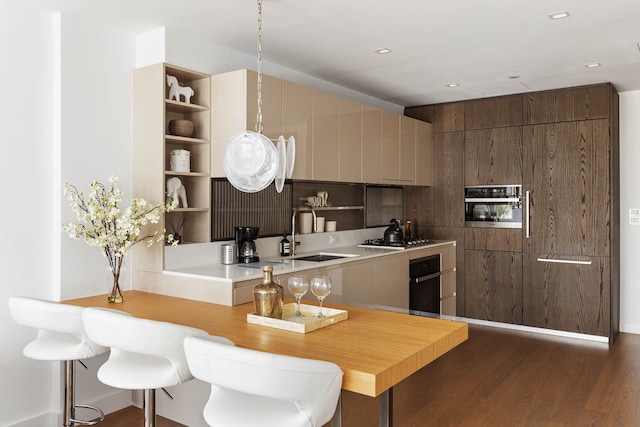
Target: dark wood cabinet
448,180
493,156
572,104
573,295
493,239
566,172
493,286
443,117
491,113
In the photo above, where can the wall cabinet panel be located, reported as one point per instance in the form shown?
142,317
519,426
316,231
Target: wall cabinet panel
492,239
493,286
567,173
350,141
581,103
493,156
297,118
568,297
448,179
326,136
371,145
408,134
424,153
390,146
491,113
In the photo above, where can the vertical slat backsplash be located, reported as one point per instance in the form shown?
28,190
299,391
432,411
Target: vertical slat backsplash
267,209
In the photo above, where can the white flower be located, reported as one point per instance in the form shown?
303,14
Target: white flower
103,224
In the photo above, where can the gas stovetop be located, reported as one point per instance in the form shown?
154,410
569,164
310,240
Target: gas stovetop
382,244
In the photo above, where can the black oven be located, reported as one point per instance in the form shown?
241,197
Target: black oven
424,286
493,206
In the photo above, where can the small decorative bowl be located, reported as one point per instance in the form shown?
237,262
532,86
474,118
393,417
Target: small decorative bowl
181,127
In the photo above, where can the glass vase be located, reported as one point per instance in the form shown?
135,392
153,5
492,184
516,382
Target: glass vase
115,270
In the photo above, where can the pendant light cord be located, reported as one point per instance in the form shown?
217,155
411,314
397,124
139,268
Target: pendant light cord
259,114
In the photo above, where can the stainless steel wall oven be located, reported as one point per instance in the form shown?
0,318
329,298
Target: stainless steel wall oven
493,206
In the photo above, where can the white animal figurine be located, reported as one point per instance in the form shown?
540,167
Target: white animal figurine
175,191
175,90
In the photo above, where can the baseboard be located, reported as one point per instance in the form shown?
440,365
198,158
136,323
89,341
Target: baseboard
119,400
630,327
49,420
522,328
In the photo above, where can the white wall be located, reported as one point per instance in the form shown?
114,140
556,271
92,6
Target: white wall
629,199
26,253
95,67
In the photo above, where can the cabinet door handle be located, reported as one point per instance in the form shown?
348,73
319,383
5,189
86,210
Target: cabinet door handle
527,227
564,261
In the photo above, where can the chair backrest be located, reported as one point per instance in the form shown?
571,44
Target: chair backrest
313,385
141,336
61,334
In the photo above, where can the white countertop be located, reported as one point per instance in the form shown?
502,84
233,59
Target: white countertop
284,265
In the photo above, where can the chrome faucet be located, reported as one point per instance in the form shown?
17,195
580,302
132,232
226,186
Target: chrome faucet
294,243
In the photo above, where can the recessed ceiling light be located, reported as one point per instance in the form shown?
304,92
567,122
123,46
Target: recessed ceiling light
382,50
558,15
592,65
453,85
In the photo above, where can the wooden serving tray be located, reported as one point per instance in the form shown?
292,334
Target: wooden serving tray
308,323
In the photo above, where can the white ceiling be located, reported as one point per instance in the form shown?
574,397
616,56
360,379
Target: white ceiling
479,45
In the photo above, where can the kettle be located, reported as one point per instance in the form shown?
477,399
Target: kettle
393,233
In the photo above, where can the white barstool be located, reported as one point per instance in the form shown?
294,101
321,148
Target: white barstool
145,354
253,388
61,337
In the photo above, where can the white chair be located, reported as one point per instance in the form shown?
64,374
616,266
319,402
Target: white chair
145,354
252,388
61,337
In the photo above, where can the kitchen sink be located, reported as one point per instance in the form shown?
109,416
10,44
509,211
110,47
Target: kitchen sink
323,257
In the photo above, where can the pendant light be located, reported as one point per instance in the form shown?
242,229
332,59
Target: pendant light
251,161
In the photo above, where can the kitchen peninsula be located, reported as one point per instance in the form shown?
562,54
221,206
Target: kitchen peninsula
375,349
354,281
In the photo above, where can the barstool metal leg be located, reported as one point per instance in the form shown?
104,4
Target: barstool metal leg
69,395
150,408
69,410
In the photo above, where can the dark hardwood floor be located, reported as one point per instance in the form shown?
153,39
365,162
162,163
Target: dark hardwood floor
505,378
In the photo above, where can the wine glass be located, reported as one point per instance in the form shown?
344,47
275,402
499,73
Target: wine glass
298,286
320,287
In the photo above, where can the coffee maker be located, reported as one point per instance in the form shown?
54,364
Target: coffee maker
245,240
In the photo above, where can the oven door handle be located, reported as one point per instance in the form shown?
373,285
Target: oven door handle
425,278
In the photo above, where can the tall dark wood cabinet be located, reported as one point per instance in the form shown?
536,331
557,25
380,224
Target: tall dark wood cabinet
561,271
571,240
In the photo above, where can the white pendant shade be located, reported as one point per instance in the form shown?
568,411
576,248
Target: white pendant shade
250,161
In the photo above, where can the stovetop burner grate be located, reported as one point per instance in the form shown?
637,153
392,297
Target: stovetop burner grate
381,243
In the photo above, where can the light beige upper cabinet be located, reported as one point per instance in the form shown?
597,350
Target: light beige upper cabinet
424,155
336,139
297,118
326,134
399,148
371,145
350,141
390,146
234,106
407,149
